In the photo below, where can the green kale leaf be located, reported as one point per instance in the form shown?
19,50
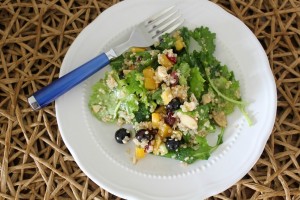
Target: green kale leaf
184,72
143,113
192,154
205,39
156,96
103,101
117,63
185,34
166,42
196,82
204,122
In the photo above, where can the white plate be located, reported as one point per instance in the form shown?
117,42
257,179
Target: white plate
109,164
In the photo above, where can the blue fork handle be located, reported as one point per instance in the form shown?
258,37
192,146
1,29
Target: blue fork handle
60,86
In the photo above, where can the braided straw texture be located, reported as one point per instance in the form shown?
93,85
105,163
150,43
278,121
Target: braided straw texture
34,37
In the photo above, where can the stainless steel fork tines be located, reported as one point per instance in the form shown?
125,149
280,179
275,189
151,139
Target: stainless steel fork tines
149,31
164,22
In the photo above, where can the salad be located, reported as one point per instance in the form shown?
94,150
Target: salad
172,95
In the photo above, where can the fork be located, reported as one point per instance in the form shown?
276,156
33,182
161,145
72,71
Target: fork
144,34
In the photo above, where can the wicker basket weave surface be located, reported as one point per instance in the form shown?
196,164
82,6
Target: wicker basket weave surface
34,37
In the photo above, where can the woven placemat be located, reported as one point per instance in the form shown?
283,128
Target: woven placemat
34,37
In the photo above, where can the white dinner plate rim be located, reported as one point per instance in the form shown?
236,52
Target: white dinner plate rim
130,193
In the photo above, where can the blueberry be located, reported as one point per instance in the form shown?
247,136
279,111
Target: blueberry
172,144
174,104
121,135
145,134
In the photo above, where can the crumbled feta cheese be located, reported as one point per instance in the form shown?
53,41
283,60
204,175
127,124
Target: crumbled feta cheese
159,59
111,82
188,106
144,143
173,80
206,98
169,52
149,149
125,140
187,121
96,108
153,53
161,74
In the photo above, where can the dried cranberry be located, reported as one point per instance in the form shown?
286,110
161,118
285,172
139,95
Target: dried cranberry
175,78
154,131
173,59
169,119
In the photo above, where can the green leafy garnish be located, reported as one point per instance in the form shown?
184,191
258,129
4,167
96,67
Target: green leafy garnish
205,39
166,42
196,82
143,114
117,63
184,70
187,100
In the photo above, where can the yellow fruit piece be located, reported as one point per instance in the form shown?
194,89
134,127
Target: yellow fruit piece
166,96
176,35
161,109
137,49
164,61
139,153
179,44
157,143
149,72
156,119
165,131
150,83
